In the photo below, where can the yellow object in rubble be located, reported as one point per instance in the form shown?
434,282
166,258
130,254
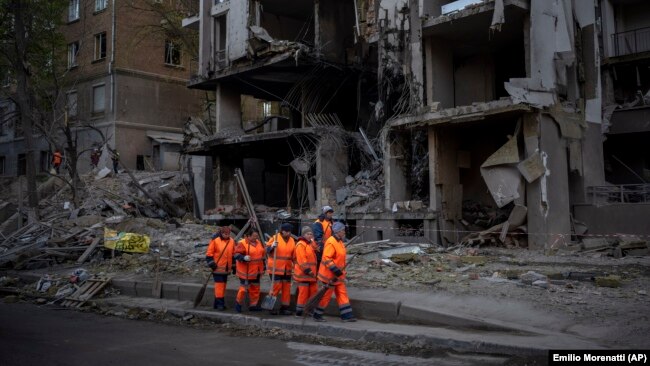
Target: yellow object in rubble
126,242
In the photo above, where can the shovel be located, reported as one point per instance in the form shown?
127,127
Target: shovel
269,301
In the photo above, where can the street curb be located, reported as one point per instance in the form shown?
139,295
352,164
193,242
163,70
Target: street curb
368,307
347,331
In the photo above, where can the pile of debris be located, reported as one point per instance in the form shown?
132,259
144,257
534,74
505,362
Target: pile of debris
621,246
362,191
126,209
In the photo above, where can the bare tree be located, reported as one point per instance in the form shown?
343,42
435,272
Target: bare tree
28,32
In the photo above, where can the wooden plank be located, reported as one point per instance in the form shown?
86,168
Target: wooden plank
89,251
86,292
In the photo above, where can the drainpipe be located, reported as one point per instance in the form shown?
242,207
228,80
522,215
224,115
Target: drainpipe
111,65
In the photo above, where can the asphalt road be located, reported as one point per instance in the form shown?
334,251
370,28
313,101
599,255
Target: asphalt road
33,335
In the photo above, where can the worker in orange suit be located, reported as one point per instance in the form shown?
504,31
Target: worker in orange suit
322,229
57,158
219,258
332,274
249,254
285,246
304,269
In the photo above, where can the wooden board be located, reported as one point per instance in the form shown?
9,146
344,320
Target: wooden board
89,251
86,292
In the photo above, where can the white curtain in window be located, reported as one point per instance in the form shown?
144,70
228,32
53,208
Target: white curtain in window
100,4
73,10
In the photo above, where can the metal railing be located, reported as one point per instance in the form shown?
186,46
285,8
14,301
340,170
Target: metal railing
623,193
631,42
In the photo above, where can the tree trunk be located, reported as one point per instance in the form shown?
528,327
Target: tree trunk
24,100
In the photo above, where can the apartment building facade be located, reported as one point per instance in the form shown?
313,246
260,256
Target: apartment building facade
125,78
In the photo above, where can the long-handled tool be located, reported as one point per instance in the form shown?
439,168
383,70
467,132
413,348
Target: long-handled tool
199,295
313,302
269,300
156,289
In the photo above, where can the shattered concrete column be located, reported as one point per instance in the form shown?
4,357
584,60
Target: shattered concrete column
395,182
549,214
203,184
417,68
331,170
445,191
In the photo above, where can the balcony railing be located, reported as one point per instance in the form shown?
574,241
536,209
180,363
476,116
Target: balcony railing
631,42
624,193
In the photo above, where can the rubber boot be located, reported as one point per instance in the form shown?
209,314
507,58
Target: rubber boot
284,310
219,303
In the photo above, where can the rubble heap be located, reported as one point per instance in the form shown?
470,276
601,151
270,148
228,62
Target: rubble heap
68,232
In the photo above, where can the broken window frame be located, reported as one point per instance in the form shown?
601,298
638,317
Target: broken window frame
100,46
73,51
173,53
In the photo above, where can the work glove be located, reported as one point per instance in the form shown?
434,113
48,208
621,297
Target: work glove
307,271
239,257
337,272
274,245
247,258
212,265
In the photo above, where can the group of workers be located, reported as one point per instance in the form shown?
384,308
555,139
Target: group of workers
318,256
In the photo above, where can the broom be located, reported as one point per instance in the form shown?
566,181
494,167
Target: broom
199,295
313,301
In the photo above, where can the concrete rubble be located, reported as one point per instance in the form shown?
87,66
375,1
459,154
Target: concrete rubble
76,233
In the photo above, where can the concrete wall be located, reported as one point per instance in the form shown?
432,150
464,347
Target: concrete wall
630,219
336,21
632,16
474,80
153,100
237,13
228,109
439,73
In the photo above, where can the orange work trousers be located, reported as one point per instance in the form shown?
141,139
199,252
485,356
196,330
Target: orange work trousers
305,291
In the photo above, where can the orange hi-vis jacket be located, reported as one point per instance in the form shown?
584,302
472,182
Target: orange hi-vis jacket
333,257
56,160
327,229
224,262
305,258
284,257
250,270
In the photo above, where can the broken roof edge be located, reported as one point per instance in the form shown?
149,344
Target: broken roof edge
460,114
211,143
473,10
207,83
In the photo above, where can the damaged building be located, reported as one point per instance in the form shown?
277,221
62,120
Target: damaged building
448,122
